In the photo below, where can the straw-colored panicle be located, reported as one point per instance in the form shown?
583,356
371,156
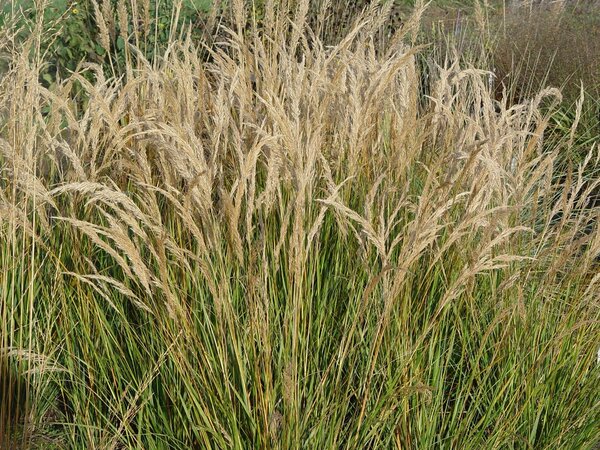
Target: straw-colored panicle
102,23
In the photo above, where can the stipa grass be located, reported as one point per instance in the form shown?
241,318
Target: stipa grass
278,247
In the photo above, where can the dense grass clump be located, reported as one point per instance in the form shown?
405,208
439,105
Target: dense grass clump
267,242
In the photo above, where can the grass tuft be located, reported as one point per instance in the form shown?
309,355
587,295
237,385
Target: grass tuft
268,240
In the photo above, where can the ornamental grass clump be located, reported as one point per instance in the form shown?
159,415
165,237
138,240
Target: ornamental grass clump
280,245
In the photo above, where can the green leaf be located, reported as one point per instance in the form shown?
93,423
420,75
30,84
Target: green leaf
48,78
100,50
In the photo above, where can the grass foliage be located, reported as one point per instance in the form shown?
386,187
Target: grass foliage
270,243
